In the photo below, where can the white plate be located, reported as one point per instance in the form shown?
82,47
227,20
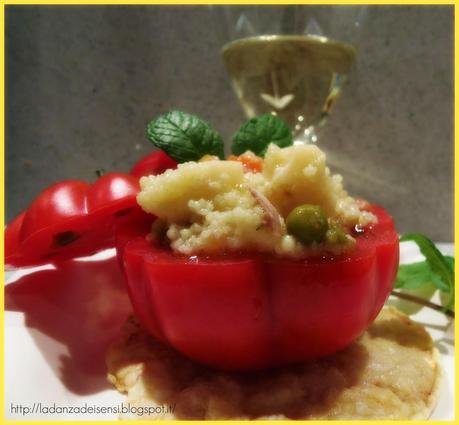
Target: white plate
58,324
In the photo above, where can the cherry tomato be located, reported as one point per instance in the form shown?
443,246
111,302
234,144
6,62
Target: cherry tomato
155,163
247,312
70,219
12,241
74,218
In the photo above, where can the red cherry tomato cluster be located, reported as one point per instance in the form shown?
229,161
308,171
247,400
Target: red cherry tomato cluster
74,218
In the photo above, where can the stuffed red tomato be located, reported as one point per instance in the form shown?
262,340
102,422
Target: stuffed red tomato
246,270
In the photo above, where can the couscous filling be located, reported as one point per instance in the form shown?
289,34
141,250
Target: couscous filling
294,207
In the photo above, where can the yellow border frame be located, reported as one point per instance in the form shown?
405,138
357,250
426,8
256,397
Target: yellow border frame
4,3
227,2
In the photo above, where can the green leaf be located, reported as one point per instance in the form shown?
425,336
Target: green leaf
450,261
184,137
257,133
413,276
417,275
442,267
440,283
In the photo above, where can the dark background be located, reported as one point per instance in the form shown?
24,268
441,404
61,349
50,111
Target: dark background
82,82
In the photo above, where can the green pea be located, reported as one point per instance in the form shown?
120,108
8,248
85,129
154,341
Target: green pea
308,223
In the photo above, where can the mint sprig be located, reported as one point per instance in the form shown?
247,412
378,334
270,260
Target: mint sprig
257,133
417,275
437,269
184,137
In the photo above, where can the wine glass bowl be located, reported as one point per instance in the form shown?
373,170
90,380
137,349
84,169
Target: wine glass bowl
297,77
290,61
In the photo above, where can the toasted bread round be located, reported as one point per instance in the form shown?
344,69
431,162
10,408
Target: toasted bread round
390,372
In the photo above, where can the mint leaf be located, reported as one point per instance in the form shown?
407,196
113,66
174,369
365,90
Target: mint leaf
184,137
257,133
418,275
438,281
450,261
413,276
441,267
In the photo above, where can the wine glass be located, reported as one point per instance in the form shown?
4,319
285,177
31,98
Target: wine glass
290,61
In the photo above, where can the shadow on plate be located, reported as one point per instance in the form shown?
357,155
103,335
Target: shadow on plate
80,304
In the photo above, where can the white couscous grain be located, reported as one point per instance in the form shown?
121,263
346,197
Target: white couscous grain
213,206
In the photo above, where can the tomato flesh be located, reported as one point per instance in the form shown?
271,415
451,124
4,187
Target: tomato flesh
253,312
